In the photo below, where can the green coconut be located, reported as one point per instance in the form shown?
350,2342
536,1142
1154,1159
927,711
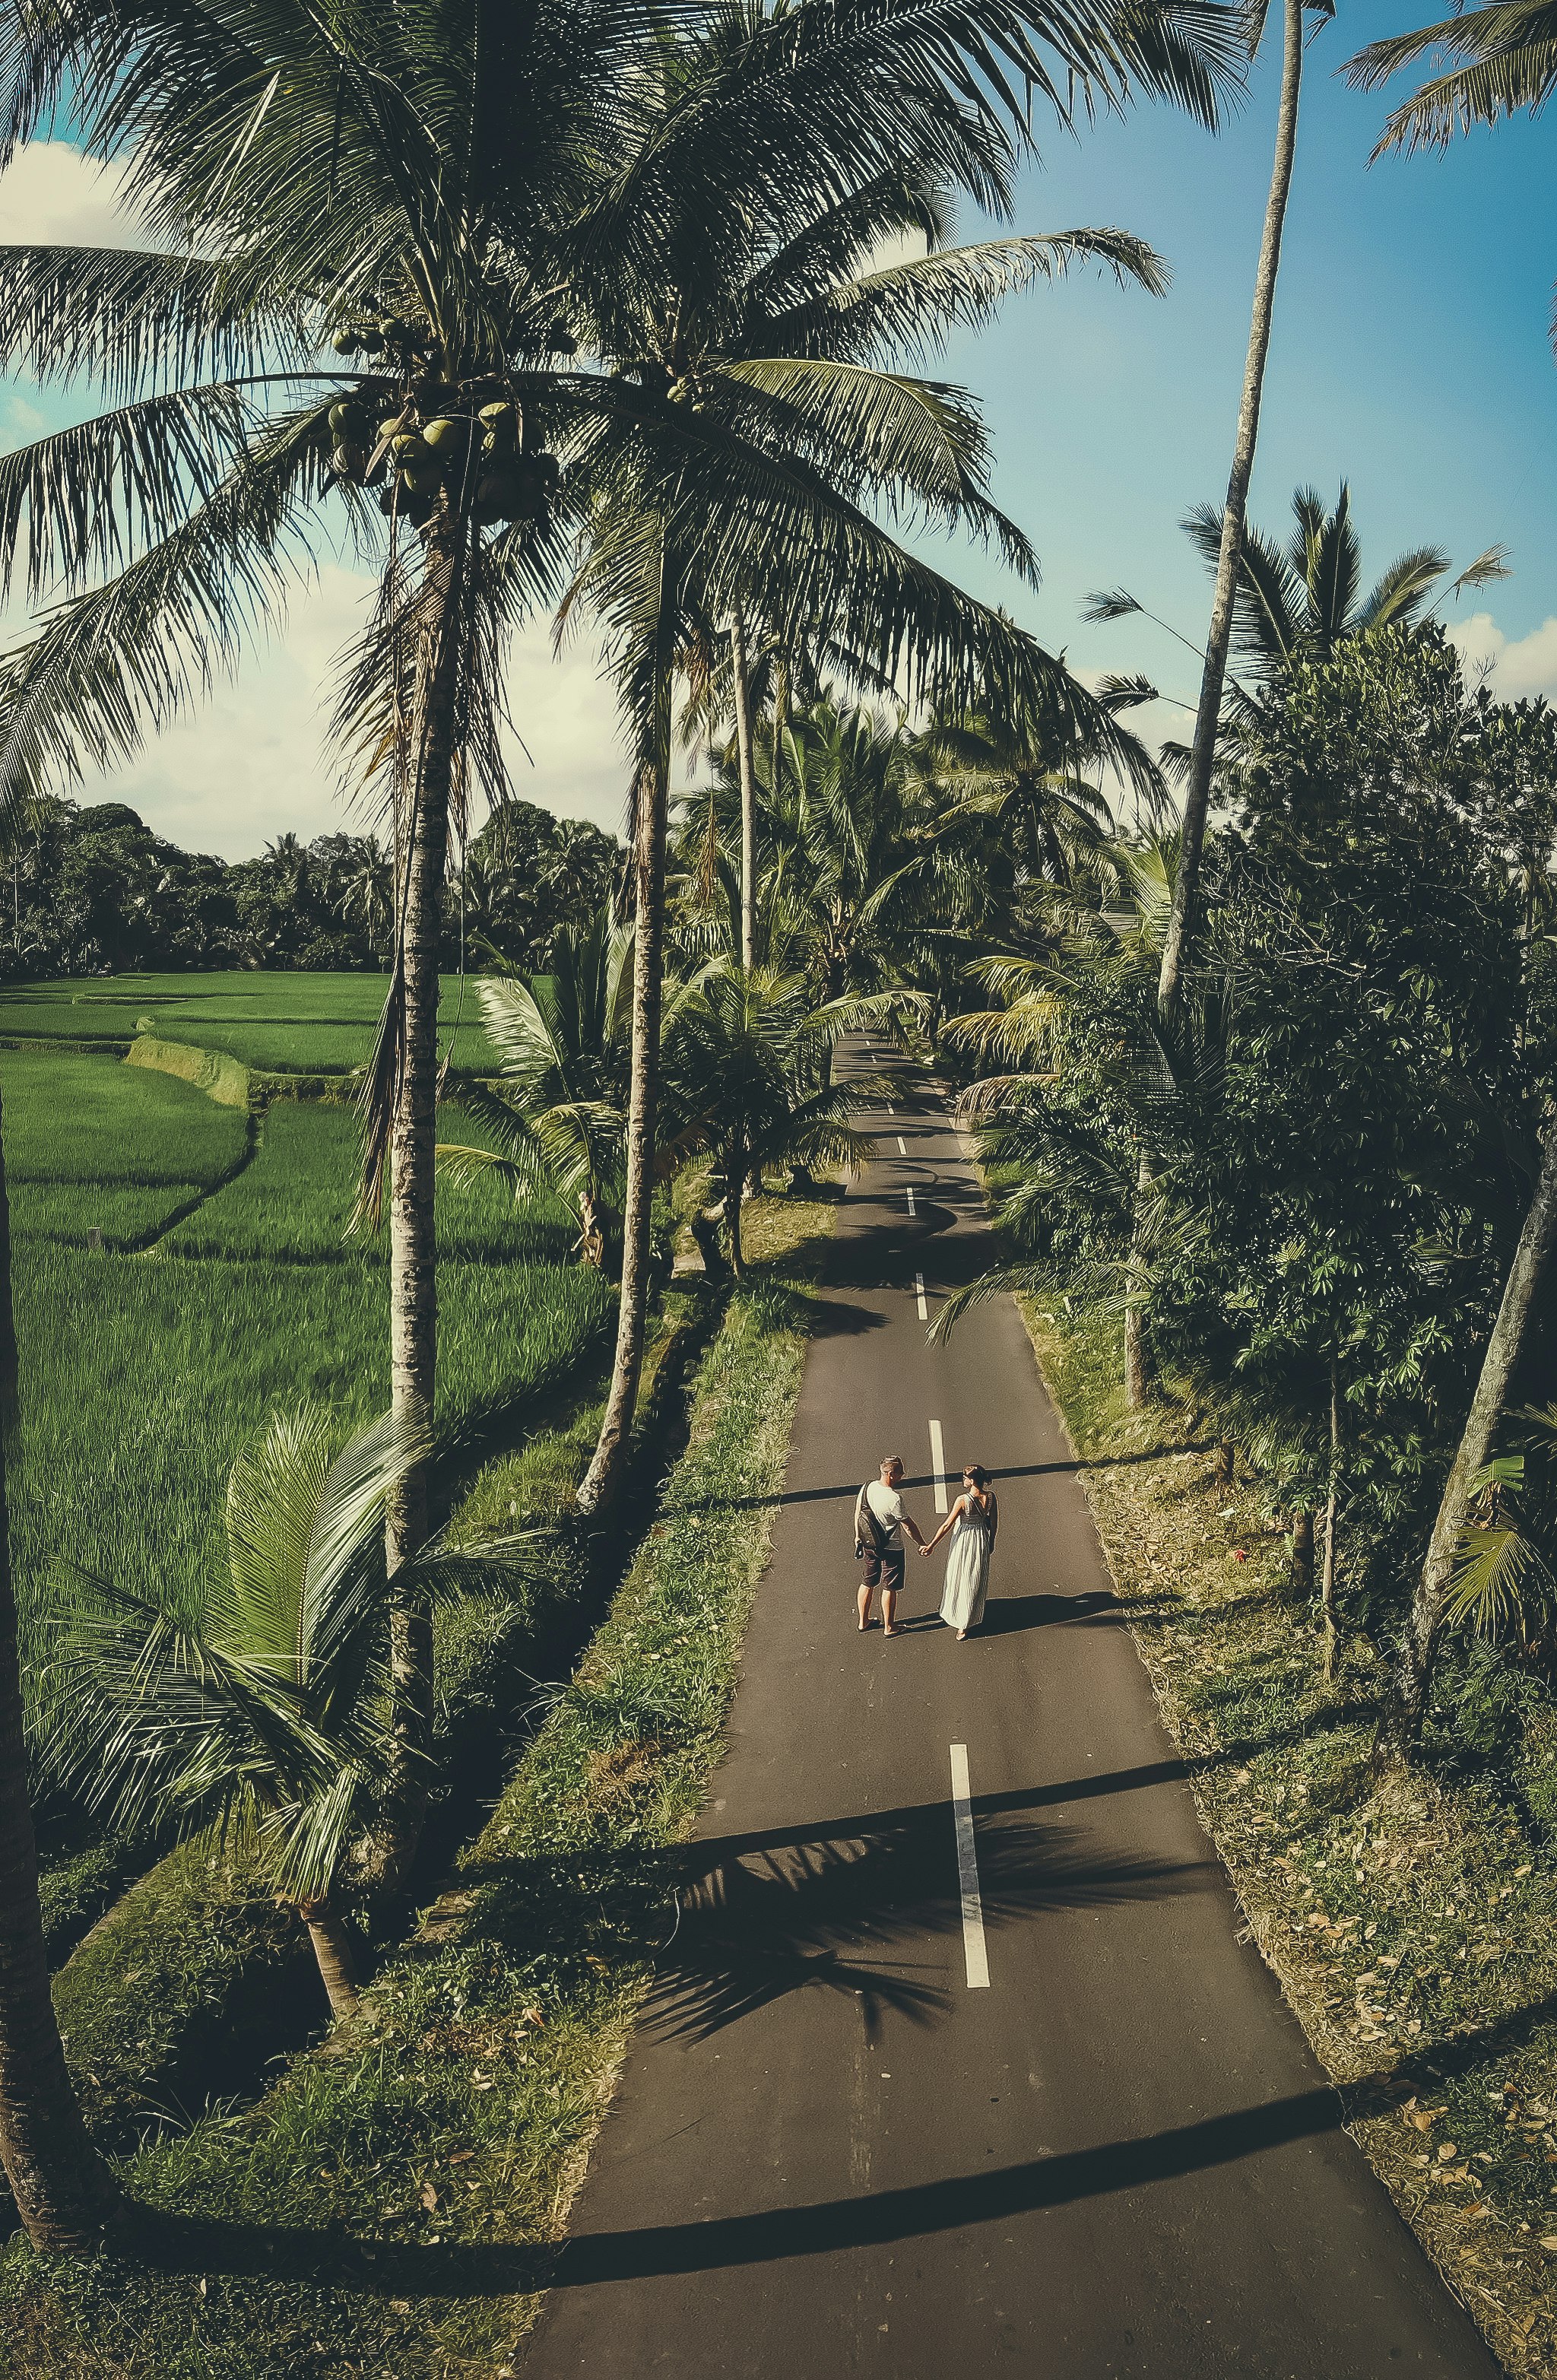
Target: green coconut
345,343
446,431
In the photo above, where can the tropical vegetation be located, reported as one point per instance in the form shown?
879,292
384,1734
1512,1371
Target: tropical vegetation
334,1398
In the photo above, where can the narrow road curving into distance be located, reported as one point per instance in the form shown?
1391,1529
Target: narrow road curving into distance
955,2060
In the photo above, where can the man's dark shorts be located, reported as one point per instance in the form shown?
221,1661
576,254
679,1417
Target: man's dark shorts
885,1571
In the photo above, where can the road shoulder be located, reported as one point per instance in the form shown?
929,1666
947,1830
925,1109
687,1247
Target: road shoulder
1410,1928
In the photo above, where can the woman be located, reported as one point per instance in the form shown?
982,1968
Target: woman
972,1521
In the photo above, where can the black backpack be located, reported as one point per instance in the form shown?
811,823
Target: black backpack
869,1535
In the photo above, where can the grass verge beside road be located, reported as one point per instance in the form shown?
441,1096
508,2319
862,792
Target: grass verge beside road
1411,1923
391,2206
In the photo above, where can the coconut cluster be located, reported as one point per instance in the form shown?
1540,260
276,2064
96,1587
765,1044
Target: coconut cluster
443,444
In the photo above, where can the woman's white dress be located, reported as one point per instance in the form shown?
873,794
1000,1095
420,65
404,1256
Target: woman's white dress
967,1572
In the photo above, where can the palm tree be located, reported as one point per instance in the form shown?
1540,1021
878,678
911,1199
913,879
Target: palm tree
991,769
810,290
746,1078
366,888
1308,597
262,1711
559,1120
795,455
1506,52
1208,715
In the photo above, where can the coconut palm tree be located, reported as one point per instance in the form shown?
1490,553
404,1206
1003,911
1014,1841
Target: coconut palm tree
813,290
746,1079
1307,596
360,183
988,767
1208,716
262,1710
1505,64
558,1119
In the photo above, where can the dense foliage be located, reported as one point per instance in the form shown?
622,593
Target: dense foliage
1340,1129
92,891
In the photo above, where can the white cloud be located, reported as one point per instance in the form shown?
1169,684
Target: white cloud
52,194
1517,667
252,763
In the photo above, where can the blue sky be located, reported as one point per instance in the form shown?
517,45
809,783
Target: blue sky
1410,356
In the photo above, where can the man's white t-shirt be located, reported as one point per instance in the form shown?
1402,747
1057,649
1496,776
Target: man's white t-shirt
887,1506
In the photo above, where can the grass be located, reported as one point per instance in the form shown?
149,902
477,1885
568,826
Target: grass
460,2109
143,1375
1409,1919
85,1121
278,1021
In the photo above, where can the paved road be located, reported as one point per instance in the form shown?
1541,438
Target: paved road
832,2151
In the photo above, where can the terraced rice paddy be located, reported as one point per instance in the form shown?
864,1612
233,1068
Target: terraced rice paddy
283,1022
147,1362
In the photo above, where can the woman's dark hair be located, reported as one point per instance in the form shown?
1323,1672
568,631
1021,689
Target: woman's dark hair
976,1473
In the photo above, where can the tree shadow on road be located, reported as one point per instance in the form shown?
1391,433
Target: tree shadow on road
828,1914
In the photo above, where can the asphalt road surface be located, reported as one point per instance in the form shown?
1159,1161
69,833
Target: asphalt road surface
837,2148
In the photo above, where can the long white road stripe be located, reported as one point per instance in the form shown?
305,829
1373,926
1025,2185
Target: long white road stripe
902,1146
919,1293
973,1952
912,1208
938,1466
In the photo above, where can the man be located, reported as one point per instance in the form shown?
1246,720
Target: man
878,1518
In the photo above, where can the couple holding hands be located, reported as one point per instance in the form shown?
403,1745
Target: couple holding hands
972,1523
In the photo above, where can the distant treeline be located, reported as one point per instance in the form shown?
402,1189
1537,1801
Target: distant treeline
92,890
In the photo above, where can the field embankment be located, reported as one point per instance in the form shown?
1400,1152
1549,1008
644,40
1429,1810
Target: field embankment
1410,1923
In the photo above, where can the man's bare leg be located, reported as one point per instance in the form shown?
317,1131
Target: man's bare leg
889,1611
863,1600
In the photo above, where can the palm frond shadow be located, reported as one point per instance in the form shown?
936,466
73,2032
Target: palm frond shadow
828,1914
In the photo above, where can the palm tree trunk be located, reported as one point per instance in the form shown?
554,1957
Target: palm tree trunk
780,722
591,1232
1404,1725
66,2197
413,1177
1137,1361
748,793
734,1174
1203,752
332,1949
1327,1587
603,1475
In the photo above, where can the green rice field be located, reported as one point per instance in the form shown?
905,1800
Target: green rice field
147,1363
280,1022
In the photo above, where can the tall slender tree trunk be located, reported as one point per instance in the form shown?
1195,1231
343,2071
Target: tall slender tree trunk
1332,1512
735,1174
1303,1553
332,1949
1138,1360
66,2195
1203,752
1404,1724
603,1476
748,793
412,1178
780,722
